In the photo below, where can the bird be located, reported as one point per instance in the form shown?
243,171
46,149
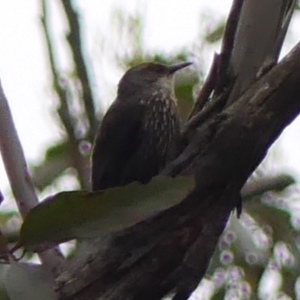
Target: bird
140,132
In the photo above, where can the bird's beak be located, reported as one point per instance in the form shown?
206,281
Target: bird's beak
174,68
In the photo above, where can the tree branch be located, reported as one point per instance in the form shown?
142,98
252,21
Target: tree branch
75,42
171,251
224,69
256,188
64,113
257,41
19,178
207,88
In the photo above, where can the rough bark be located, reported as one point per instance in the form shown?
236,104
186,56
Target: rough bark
172,250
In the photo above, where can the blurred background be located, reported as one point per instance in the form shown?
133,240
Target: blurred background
60,62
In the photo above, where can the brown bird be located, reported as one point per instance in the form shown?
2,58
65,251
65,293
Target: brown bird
140,131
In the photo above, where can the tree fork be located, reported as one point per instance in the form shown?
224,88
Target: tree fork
169,244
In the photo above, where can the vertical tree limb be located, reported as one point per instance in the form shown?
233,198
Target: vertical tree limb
75,42
224,70
257,41
207,88
66,117
18,175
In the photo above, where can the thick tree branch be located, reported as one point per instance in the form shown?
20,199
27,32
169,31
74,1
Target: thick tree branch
172,250
257,41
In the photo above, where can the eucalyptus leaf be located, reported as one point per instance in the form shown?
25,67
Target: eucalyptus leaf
83,215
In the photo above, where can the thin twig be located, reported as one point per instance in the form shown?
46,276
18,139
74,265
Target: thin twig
66,117
75,42
212,107
256,188
218,77
207,88
1,197
227,45
18,174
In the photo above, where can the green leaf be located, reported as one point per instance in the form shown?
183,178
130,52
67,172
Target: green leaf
57,160
81,214
216,34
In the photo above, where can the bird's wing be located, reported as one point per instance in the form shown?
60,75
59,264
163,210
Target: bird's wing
117,140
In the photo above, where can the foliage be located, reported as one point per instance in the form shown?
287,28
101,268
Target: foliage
85,215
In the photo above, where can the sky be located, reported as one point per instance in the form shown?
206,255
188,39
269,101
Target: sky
169,25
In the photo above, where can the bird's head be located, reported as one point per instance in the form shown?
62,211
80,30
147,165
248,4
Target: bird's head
149,75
